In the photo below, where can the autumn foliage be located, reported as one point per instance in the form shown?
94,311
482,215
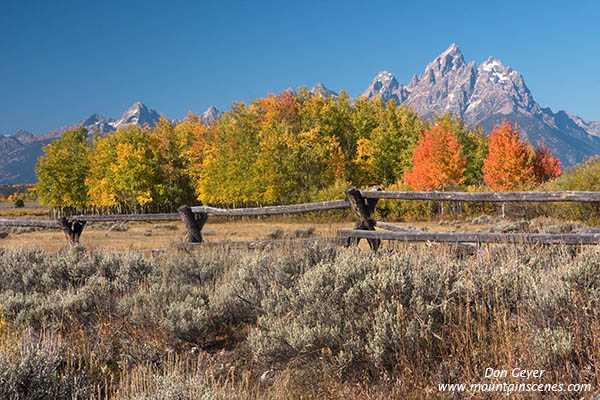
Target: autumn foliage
509,160
545,165
291,148
437,161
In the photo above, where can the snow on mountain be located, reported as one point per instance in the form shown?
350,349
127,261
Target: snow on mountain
319,89
211,114
486,95
387,87
592,127
139,115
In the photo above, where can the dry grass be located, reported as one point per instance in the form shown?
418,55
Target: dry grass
31,209
138,237
444,317
100,239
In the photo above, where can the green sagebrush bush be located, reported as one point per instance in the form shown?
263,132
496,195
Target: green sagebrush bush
368,311
359,307
189,296
194,297
363,311
41,290
38,369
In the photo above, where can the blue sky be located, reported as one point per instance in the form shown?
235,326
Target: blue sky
64,60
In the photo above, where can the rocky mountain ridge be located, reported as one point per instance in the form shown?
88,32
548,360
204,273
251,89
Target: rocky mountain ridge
485,95
19,152
482,95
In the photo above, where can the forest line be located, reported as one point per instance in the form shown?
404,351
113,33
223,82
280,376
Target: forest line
285,149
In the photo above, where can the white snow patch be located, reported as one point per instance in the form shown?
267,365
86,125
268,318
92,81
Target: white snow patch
501,77
490,67
449,49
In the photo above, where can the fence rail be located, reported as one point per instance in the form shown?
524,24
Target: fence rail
476,237
32,223
272,210
570,196
128,217
362,203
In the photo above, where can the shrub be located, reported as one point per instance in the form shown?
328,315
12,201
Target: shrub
584,176
38,369
365,310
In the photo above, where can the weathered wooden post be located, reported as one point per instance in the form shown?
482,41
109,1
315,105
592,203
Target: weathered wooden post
72,229
193,223
362,211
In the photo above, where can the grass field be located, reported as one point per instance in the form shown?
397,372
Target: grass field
144,236
110,319
296,322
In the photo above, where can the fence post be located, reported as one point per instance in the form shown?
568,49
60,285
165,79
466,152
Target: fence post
193,223
72,229
362,211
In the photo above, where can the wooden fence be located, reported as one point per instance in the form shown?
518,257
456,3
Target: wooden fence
362,203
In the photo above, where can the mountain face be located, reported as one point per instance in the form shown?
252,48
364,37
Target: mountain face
387,87
319,89
485,95
19,152
482,95
211,114
138,114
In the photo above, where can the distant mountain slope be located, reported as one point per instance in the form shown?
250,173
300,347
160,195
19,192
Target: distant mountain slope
138,114
211,114
17,164
19,152
485,95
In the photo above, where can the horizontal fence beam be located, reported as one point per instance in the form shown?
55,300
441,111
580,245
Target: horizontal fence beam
259,244
485,196
398,228
128,217
272,210
476,237
395,228
34,223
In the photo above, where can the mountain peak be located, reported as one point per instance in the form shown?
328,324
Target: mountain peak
491,63
23,136
451,59
92,119
211,114
385,75
453,50
320,89
138,114
386,87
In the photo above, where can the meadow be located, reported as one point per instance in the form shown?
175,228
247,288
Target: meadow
313,322
129,314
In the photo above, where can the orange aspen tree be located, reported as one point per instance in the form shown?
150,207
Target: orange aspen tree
509,160
437,162
545,165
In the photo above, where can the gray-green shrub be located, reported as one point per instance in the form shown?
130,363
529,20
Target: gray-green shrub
38,369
